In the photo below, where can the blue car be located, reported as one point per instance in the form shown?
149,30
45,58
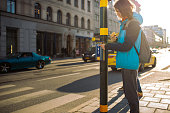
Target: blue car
22,60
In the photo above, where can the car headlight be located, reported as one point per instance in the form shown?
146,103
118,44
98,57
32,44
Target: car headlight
93,55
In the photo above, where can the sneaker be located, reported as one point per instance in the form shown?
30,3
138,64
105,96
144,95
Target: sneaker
140,94
121,88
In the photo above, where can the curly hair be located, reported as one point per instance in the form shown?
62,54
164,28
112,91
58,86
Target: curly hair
125,7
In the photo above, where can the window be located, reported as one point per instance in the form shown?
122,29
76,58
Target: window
11,40
82,22
59,17
68,2
88,24
68,19
76,21
82,4
49,14
11,6
88,6
37,10
76,3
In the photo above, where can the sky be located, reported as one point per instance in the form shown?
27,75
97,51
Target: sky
156,12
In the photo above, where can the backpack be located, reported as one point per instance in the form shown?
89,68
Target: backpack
144,52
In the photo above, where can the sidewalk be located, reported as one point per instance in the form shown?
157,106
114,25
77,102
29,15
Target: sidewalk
156,99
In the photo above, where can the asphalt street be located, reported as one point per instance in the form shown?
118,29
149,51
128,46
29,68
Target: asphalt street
65,84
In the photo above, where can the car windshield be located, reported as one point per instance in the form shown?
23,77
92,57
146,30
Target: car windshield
13,55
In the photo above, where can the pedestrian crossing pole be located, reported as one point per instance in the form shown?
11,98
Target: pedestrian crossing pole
103,57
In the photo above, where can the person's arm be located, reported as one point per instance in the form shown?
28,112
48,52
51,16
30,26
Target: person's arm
132,32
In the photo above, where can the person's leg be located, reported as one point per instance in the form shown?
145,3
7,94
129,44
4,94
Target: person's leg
130,89
140,93
139,87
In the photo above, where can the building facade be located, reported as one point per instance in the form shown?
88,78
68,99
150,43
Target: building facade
112,20
155,36
53,27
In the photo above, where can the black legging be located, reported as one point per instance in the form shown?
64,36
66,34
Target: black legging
130,89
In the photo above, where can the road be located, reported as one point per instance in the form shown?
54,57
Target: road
65,84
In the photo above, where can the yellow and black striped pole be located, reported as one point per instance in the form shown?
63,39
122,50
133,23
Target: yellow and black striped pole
103,57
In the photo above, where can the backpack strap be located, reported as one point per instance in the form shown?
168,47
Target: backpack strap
126,25
136,50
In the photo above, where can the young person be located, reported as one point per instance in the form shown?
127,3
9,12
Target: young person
127,58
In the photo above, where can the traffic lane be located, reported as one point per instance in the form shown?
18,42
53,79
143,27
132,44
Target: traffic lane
49,71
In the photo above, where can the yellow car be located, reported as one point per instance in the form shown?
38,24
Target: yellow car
112,61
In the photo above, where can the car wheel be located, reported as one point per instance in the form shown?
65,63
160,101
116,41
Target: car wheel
5,67
141,68
114,69
40,64
85,60
154,65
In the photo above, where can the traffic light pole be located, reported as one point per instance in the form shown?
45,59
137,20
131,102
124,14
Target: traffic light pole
103,58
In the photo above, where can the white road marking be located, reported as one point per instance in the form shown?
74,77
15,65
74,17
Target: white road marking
58,76
24,97
15,90
85,69
6,86
48,105
146,75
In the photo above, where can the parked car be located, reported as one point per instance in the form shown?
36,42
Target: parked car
112,61
90,54
155,51
22,60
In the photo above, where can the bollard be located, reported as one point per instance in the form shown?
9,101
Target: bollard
103,58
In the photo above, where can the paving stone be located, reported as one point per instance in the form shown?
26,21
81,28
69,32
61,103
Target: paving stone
146,110
158,105
162,86
149,85
162,96
167,84
143,87
157,92
158,83
88,109
165,89
148,94
167,93
143,103
152,99
153,88
161,111
167,101
146,91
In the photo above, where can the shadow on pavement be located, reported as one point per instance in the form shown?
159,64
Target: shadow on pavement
77,63
90,83
117,105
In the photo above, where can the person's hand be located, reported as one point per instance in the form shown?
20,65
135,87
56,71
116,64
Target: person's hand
113,36
102,46
113,39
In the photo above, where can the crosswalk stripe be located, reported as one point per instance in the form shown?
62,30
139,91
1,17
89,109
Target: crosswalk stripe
6,86
24,97
15,91
58,76
48,105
